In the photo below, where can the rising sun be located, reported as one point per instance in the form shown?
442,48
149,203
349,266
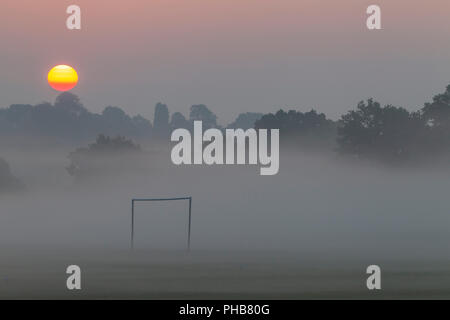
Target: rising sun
62,78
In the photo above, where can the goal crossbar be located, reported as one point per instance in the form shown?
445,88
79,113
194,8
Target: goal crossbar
161,199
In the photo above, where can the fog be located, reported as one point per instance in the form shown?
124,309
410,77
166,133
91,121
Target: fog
309,231
318,205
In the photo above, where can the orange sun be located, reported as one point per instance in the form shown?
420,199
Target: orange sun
62,78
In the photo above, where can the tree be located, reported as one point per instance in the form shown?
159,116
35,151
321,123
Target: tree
436,116
245,120
309,129
179,121
161,120
200,112
67,120
115,121
379,132
142,125
94,160
70,103
8,182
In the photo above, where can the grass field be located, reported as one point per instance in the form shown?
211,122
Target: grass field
208,275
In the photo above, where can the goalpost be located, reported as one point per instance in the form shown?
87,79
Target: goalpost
161,199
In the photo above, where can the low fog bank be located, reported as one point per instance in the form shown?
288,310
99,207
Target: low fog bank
316,206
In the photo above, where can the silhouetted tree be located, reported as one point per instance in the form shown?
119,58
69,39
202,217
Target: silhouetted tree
161,120
373,131
309,129
68,120
16,120
8,182
85,162
115,121
70,103
179,121
370,130
200,112
436,116
245,120
142,125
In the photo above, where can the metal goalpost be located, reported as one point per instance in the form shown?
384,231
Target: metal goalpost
161,199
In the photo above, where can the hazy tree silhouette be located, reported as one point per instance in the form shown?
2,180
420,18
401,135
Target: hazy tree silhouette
179,121
85,162
200,112
161,120
436,116
71,104
115,121
370,130
245,120
68,120
8,182
309,129
142,125
382,132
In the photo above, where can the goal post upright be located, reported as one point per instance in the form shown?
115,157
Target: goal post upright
161,199
189,227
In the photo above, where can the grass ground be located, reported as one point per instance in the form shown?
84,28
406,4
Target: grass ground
218,275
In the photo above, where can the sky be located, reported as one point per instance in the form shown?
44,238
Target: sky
234,56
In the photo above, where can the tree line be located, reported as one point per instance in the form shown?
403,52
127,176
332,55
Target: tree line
369,130
68,120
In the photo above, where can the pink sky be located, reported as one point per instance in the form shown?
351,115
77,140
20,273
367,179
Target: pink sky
233,55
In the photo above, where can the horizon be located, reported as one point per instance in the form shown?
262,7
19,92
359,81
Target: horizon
137,54
185,112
